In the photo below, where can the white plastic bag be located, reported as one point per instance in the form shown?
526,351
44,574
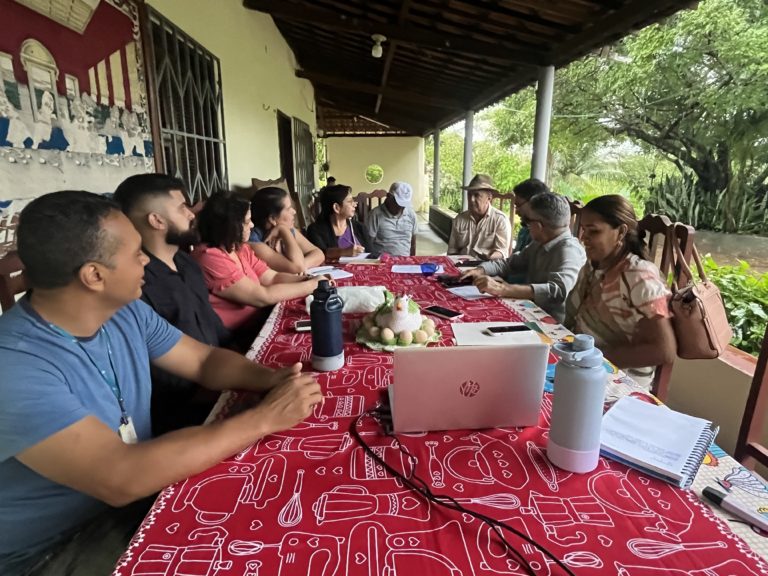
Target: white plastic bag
358,298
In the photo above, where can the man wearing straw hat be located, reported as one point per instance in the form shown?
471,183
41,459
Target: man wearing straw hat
481,232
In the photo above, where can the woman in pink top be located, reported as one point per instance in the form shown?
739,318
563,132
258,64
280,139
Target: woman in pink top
619,297
239,284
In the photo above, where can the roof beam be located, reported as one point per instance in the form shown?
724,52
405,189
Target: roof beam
395,120
401,18
405,34
602,31
365,88
488,10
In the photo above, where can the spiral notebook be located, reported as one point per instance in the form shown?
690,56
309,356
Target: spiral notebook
656,440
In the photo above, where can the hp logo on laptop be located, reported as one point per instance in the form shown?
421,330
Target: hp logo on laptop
469,388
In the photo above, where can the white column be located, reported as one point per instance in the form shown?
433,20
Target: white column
436,168
468,131
544,92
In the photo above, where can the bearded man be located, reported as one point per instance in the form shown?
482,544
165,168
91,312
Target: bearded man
174,287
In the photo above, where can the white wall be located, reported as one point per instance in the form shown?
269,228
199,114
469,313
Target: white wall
258,78
402,158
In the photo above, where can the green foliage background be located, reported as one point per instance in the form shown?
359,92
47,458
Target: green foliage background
674,117
745,294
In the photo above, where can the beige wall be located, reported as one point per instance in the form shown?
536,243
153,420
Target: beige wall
402,158
257,68
715,390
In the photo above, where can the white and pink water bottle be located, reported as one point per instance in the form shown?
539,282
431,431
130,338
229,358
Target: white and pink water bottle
577,405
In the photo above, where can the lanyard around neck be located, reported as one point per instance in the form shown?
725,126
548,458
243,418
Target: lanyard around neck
110,378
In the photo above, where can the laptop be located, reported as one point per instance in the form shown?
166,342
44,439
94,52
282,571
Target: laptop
460,387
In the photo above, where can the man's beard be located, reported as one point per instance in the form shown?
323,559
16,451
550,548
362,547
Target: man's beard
174,237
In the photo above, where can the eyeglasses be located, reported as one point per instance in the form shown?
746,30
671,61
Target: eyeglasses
525,221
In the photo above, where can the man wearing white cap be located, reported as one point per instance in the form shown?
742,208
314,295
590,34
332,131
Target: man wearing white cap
482,231
392,225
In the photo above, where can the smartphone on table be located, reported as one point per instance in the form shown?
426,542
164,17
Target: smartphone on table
302,325
443,312
452,280
512,328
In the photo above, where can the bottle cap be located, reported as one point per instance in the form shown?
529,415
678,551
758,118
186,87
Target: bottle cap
581,352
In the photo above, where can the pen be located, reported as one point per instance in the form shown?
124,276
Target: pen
730,504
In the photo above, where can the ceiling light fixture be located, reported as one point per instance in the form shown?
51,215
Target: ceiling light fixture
377,49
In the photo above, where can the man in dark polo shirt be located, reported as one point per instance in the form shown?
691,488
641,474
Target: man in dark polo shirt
174,287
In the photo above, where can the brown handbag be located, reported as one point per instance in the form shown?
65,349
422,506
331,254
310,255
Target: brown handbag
698,314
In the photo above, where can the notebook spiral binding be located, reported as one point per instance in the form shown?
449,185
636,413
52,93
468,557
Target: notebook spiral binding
696,457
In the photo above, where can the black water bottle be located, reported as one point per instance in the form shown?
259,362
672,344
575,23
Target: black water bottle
327,337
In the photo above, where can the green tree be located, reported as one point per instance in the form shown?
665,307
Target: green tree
692,89
505,165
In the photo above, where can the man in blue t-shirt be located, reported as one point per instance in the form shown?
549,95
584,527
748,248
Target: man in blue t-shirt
75,389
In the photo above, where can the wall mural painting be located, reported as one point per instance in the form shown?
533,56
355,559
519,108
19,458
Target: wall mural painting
73,102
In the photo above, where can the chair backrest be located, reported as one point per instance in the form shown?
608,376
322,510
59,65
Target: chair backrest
749,449
257,184
659,233
499,200
576,207
12,280
8,225
315,207
197,206
365,202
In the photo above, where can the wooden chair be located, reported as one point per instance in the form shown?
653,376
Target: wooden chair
314,207
499,200
749,450
257,184
365,203
197,207
12,280
658,233
576,208
8,225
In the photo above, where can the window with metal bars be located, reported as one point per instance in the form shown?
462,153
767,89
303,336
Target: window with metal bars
184,84
304,167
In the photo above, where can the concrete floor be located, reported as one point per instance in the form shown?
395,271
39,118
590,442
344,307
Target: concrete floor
427,242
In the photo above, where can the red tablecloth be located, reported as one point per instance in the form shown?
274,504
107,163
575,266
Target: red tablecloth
310,501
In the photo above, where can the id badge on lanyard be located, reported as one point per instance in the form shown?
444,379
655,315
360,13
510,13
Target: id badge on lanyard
127,432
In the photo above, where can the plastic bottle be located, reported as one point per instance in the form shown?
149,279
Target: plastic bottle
327,337
577,405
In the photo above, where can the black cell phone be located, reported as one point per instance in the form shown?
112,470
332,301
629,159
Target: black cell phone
443,312
496,330
451,280
474,263
303,325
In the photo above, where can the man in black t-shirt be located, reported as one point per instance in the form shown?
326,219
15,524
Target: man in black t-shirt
173,285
